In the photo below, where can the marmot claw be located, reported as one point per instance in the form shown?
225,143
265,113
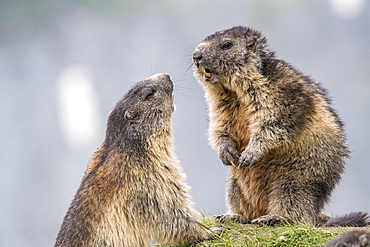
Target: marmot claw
228,155
248,158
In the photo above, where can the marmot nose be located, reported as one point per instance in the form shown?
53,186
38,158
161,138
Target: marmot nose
165,81
161,77
197,56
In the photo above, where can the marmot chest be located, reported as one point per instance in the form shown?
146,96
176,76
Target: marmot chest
242,125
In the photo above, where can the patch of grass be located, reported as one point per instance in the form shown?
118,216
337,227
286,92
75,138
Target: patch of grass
234,234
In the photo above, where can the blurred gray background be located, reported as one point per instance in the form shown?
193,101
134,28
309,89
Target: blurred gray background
64,64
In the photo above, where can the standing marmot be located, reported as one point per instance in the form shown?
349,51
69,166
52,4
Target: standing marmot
133,191
273,126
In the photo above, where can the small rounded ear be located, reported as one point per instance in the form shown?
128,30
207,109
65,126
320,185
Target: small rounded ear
251,42
131,116
364,240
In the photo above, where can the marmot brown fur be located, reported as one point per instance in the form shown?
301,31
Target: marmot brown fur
273,126
354,238
133,191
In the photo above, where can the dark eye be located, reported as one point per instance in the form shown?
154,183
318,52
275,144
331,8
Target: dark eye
150,94
227,45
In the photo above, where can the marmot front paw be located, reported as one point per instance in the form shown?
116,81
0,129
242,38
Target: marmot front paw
248,158
228,155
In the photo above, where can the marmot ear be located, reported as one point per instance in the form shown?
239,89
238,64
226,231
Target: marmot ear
131,116
251,42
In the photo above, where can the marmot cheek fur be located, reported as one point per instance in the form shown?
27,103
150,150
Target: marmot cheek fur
273,126
133,191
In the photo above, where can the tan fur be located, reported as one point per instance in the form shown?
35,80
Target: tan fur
272,125
133,191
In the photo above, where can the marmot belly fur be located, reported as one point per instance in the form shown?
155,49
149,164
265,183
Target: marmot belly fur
273,126
133,191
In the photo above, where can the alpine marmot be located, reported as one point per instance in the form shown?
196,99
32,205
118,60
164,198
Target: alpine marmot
273,126
133,191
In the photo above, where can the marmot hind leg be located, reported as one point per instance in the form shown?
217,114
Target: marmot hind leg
183,230
273,219
236,203
298,201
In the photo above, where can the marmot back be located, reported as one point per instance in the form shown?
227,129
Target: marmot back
356,238
133,191
273,126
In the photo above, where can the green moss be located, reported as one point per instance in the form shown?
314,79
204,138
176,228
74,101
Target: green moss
234,234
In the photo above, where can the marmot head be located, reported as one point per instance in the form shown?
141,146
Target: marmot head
359,238
143,112
227,52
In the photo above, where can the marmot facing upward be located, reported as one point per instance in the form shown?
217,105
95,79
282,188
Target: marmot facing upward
273,126
133,191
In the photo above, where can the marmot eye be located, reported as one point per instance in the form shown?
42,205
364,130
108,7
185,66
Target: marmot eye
227,45
150,94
